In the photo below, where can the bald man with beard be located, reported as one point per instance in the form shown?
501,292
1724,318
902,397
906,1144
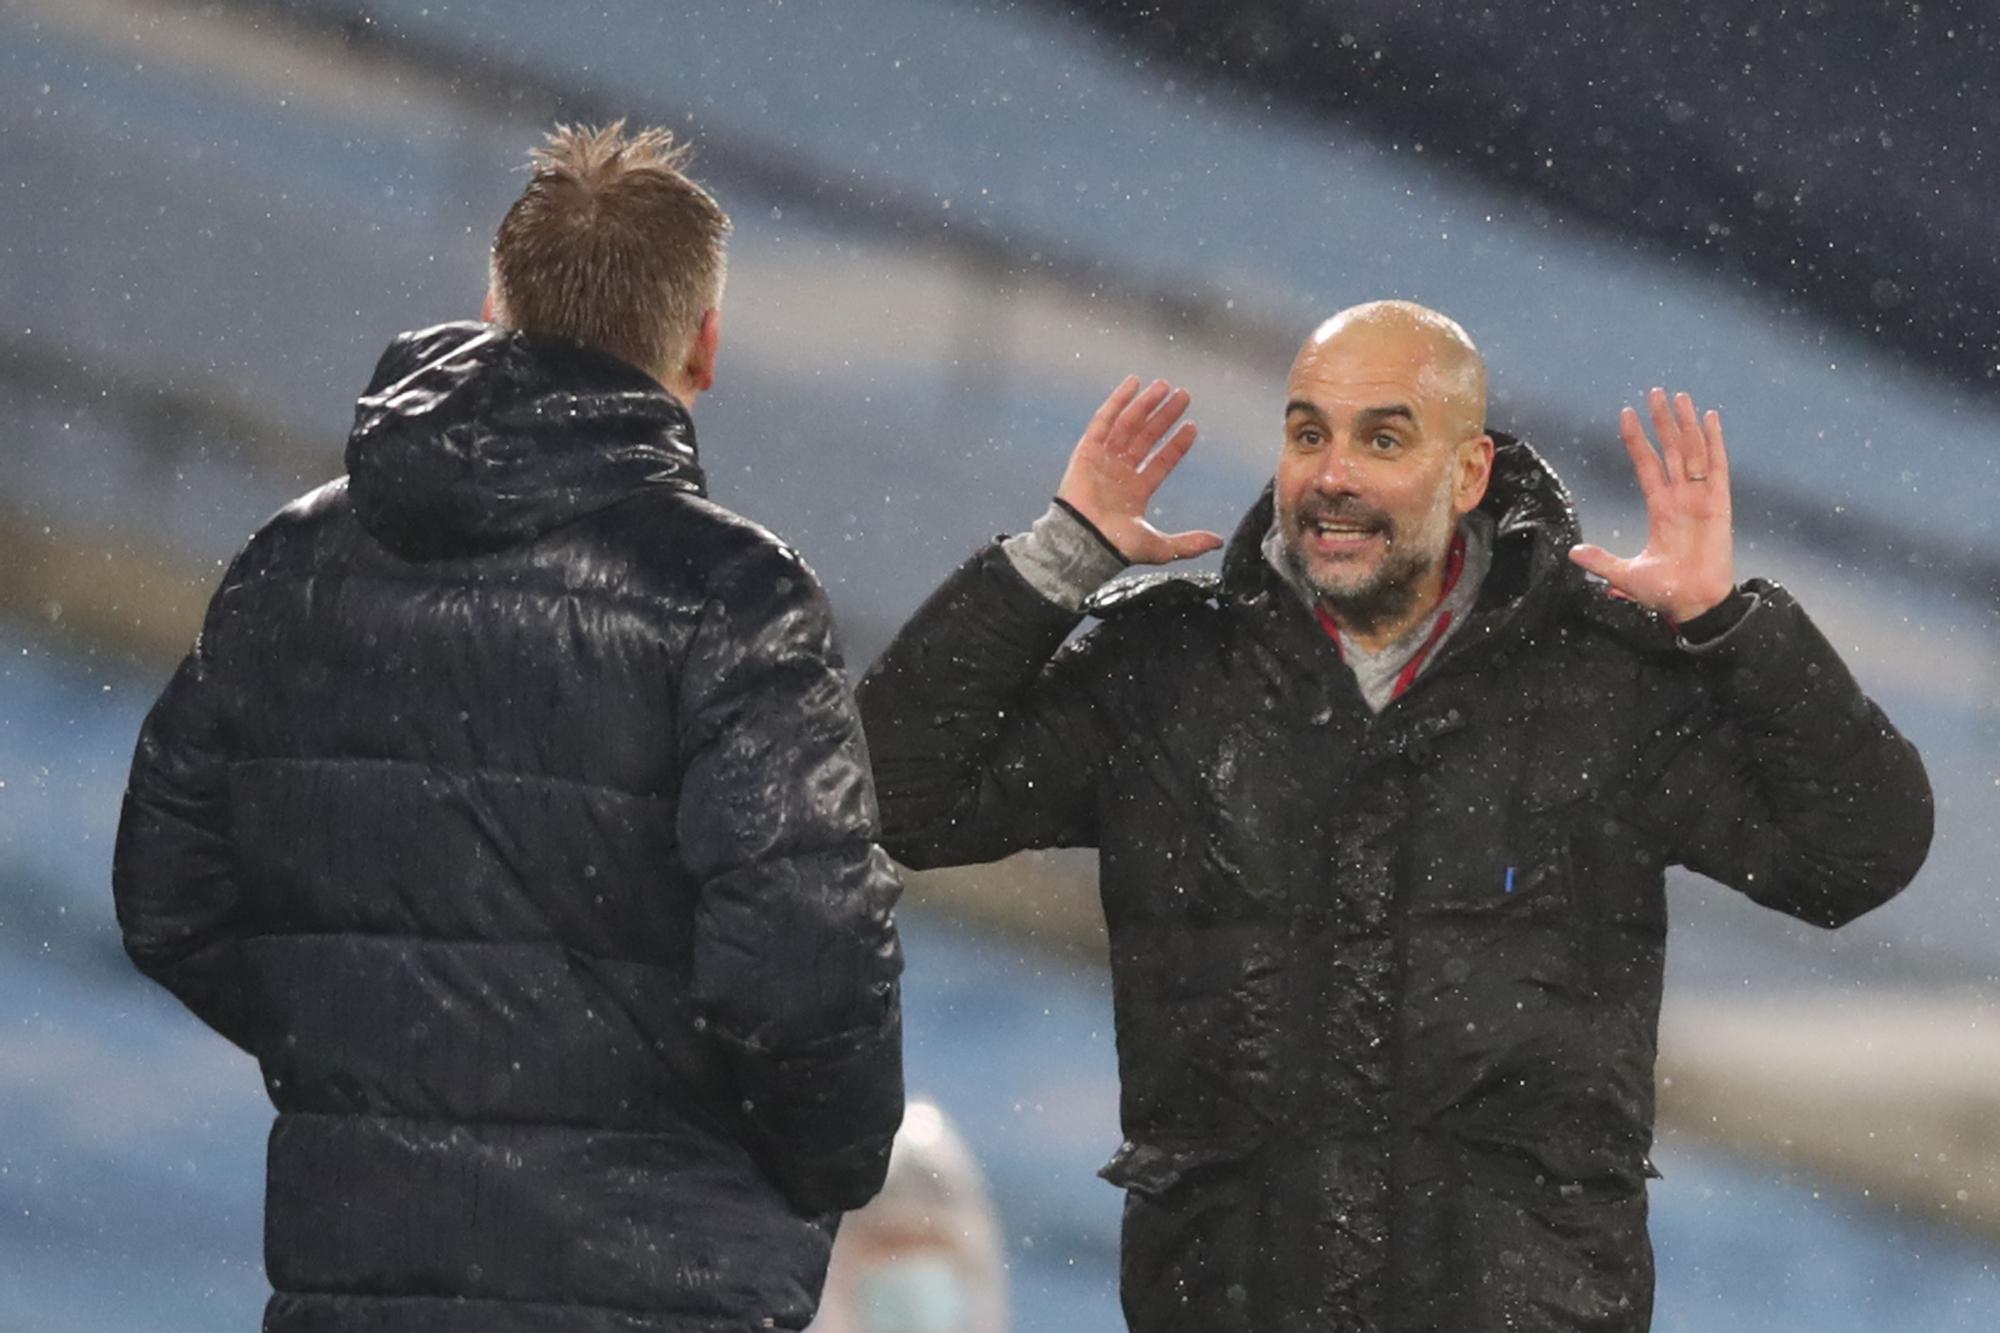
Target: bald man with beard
1383,815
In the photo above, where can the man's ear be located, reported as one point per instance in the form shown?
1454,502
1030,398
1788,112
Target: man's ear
700,367
486,308
1475,471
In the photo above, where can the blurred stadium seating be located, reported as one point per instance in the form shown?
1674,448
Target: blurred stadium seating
958,224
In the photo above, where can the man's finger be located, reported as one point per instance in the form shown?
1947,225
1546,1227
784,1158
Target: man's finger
1596,560
1187,545
1164,416
1669,433
1694,445
1132,419
1169,455
1107,412
1718,453
1645,463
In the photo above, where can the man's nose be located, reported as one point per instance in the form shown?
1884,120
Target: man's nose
1335,472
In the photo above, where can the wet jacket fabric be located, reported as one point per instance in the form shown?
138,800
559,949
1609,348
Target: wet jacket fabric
1386,987
512,811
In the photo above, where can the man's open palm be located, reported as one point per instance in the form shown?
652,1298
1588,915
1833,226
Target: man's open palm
1688,564
1120,463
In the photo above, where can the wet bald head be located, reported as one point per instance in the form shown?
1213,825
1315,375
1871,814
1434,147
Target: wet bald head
1401,342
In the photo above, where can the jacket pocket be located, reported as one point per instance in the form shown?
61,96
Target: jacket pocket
1152,1172
1520,873
1544,1229
1537,879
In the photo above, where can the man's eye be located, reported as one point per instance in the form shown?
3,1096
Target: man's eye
1384,444
1310,438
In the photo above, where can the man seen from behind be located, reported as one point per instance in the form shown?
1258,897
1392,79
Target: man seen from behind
513,812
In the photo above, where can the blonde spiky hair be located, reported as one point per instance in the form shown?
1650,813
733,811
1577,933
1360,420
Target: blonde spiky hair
613,245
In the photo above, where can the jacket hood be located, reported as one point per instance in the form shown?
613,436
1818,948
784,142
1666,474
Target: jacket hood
1533,516
472,438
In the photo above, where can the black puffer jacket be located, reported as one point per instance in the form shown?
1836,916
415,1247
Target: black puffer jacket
512,811
1387,985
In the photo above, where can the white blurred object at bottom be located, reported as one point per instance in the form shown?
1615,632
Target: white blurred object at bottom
924,1255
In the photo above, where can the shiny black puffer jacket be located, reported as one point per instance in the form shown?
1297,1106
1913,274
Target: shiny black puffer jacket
1386,986
513,812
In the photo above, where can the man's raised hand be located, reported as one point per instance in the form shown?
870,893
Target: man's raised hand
1119,464
1688,564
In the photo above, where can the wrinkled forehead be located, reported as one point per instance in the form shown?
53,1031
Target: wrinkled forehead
1362,368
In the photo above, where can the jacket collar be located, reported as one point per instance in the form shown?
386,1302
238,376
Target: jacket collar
1535,524
472,438
1529,505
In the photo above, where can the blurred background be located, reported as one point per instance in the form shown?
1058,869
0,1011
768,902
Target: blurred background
958,224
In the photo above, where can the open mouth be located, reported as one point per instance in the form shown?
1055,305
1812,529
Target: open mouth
1337,537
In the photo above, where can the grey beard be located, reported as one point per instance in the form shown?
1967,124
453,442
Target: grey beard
1382,600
